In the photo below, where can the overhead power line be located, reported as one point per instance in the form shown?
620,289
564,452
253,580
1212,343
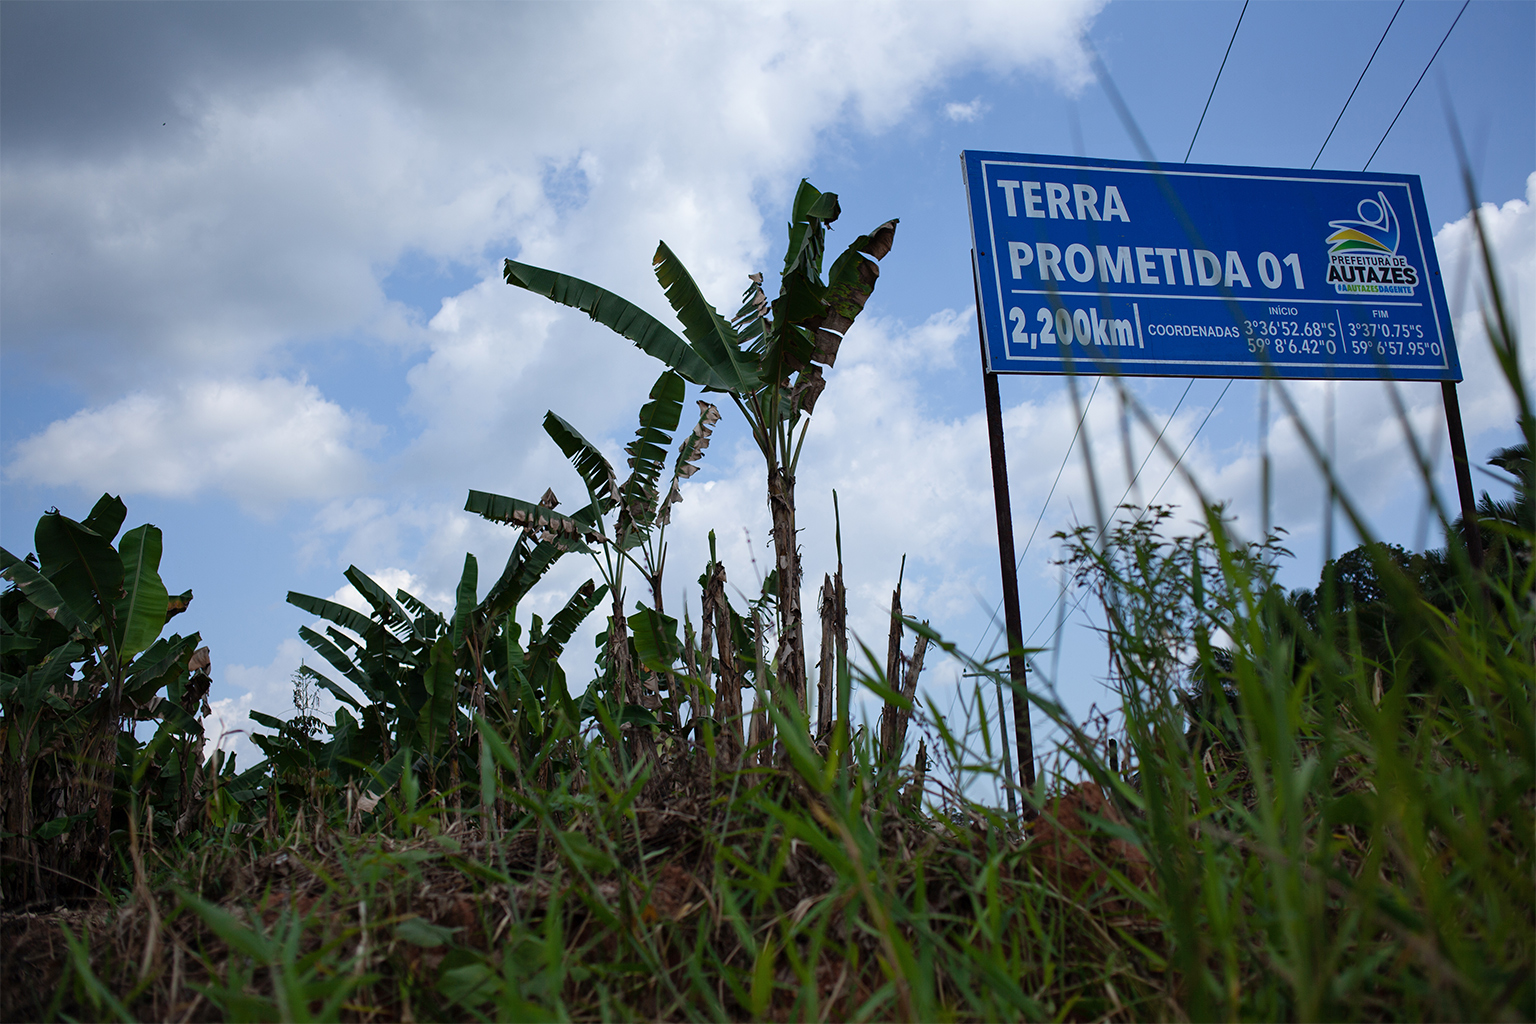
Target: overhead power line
1219,70
1159,440
1416,86
1038,519
1137,476
1065,456
1357,82
1185,452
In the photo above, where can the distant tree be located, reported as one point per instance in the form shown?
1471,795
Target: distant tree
1507,526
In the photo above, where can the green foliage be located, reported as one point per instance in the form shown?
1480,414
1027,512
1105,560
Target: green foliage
1332,851
628,523
1506,526
1350,796
82,662
422,675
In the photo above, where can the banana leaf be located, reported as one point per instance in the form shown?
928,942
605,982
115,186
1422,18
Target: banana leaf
338,660
82,565
635,714
648,457
106,517
164,661
392,696
788,347
13,643
655,637
526,565
567,531
341,751
594,469
531,712
623,317
812,211
343,640
427,621
441,682
465,602
346,618
386,775
751,320
507,657
557,634
808,386
733,369
41,682
801,294
849,286
165,654
800,299
688,455
175,723
383,603
141,611
40,591
268,721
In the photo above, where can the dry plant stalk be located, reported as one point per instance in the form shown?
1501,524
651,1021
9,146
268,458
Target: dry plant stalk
716,614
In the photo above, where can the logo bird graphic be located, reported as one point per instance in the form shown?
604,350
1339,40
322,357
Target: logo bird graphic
1375,231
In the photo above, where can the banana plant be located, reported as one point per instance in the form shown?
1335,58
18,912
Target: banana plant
623,525
421,674
81,655
768,358
519,687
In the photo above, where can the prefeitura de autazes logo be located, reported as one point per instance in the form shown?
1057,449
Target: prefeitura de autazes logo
1362,253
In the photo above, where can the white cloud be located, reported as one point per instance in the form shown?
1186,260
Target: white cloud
267,231
1486,399
263,442
273,222
965,112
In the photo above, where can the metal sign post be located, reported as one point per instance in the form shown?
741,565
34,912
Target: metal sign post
1195,270
1018,666
1471,534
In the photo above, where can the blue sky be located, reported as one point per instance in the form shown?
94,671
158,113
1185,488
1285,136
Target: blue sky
251,277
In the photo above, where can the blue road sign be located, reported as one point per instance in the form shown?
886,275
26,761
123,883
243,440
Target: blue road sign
1198,270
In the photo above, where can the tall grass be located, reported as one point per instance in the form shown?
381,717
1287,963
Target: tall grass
1315,833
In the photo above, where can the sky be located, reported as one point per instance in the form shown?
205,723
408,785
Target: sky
250,281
